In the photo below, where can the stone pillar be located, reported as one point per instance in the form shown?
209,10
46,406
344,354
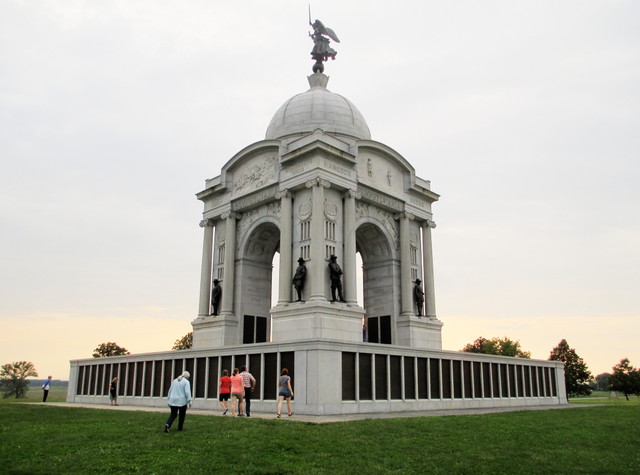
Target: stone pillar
286,239
349,237
226,305
406,287
427,264
318,259
205,273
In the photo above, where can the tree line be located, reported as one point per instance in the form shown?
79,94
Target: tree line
578,380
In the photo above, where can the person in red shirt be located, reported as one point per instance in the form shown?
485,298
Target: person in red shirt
225,391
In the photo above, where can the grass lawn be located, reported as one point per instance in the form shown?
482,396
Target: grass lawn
46,439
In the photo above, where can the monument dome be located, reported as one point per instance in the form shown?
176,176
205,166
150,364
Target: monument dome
318,108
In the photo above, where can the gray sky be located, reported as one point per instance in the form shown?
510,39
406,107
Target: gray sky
525,116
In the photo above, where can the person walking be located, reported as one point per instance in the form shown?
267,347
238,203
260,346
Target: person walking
285,391
249,384
237,393
178,399
224,390
45,389
113,391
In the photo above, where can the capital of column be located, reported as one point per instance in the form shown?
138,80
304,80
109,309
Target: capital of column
231,214
352,194
283,194
404,215
318,182
206,222
429,224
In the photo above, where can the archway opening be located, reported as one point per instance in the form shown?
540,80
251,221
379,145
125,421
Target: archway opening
378,293
257,281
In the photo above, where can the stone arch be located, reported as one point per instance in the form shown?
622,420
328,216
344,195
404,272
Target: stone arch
254,278
380,272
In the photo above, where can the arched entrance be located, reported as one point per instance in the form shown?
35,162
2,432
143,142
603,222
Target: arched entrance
254,281
380,277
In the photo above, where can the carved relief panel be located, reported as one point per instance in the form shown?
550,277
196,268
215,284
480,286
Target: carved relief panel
254,174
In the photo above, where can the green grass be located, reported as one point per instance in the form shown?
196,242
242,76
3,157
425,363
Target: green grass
47,439
56,394
605,397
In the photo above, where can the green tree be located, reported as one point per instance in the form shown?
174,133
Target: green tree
576,373
602,382
497,346
184,343
625,378
13,378
109,349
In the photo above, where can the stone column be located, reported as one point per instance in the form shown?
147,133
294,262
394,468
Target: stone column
427,264
226,305
349,228
406,287
286,239
205,273
318,262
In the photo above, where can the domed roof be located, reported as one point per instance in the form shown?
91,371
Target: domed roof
318,108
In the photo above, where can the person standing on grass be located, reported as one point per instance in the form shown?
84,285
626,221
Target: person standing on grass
237,393
45,389
113,391
224,390
178,399
285,391
249,384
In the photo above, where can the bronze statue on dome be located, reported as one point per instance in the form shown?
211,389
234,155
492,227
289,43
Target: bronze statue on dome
321,50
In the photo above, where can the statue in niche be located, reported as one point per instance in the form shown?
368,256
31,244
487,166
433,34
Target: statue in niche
216,293
299,278
335,274
419,296
321,50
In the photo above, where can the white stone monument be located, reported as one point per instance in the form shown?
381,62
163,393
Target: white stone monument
318,190
317,186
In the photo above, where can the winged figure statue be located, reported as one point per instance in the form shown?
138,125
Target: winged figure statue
321,51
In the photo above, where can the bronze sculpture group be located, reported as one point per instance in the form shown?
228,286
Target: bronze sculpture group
335,275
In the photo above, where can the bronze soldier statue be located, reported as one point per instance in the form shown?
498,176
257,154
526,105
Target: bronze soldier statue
299,277
334,274
216,293
419,295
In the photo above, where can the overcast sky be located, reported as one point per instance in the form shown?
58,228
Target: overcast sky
524,115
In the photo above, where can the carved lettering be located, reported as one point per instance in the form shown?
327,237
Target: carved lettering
254,199
381,199
337,169
298,168
417,202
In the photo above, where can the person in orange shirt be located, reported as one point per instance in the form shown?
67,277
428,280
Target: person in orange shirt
237,392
